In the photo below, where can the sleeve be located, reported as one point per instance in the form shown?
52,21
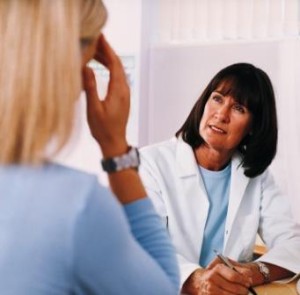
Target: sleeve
186,268
112,256
277,227
154,192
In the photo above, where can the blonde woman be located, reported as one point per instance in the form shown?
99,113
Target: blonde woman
60,231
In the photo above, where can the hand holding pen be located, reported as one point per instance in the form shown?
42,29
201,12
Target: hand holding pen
226,261
219,279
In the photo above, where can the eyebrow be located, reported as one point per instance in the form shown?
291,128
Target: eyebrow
215,91
219,93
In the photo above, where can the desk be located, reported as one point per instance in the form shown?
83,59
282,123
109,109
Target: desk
277,289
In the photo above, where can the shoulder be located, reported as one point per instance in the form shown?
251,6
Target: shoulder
63,178
74,181
46,174
53,183
162,153
64,170
168,150
167,146
237,168
171,152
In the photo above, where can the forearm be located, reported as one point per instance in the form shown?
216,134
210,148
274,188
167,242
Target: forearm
127,186
276,273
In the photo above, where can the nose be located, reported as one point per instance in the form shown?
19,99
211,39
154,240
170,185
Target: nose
223,114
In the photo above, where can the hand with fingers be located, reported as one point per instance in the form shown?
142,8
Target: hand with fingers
249,269
217,279
107,118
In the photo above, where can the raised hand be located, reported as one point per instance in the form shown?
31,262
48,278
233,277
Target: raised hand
107,118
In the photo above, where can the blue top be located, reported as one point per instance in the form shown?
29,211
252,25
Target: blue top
217,187
62,233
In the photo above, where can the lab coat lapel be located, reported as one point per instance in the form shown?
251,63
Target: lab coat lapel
186,164
195,204
238,186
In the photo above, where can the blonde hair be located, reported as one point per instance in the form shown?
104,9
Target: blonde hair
40,74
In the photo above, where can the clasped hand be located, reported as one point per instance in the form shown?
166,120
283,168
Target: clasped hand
218,279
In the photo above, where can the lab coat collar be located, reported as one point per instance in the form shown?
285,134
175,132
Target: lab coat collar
185,159
187,164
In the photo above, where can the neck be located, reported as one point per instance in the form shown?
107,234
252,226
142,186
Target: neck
212,159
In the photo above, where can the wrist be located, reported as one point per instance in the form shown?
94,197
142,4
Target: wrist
264,270
258,277
114,149
128,160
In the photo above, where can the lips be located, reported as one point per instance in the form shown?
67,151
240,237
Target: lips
217,129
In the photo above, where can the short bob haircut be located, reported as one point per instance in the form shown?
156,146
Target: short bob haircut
251,87
40,78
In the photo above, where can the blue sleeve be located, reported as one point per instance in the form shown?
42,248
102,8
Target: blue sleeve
112,256
148,229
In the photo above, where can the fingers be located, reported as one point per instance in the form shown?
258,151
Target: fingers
219,280
107,118
229,280
214,263
89,83
239,267
106,55
94,104
222,280
213,289
118,88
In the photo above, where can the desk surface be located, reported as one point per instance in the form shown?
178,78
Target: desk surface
277,289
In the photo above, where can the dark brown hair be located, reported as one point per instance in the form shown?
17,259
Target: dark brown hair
251,87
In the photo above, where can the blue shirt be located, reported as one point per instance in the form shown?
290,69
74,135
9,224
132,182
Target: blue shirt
217,187
62,233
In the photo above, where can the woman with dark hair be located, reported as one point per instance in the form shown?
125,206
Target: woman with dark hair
212,187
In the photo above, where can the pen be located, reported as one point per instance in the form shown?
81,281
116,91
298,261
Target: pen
226,261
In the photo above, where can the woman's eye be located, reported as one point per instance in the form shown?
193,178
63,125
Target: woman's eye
239,108
217,98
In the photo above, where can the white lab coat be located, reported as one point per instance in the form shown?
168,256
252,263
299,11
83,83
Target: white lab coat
171,176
